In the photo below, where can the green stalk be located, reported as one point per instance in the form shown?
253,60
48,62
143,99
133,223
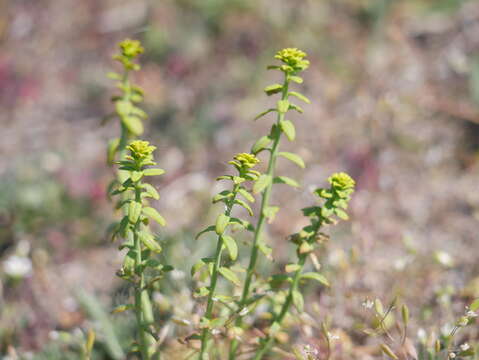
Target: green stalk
122,174
214,279
262,218
143,310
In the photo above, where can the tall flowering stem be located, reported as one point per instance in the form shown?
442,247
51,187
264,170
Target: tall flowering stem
293,62
336,200
243,163
138,238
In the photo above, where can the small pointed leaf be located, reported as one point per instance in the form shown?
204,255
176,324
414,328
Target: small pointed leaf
221,222
285,180
134,211
155,215
315,276
153,172
293,157
232,247
300,96
288,128
229,275
263,182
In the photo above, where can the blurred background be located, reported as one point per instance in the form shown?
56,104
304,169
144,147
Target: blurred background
395,102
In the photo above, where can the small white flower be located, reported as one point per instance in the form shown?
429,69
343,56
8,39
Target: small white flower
452,355
368,304
465,346
17,266
243,312
471,314
333,337
421,334
310,350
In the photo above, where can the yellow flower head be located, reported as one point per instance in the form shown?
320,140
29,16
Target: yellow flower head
294,58
246,160
140,149
131,48
341,181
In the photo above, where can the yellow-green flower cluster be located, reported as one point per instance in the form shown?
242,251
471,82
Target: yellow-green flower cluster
141,150
293,58
341,181
244,162
129,50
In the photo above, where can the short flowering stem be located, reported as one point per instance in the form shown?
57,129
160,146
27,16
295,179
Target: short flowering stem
262,218
268,342
214,279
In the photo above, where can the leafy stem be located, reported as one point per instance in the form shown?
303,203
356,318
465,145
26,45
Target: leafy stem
336,201
264,204
214,275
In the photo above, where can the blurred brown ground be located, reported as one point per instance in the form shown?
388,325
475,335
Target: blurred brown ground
395,93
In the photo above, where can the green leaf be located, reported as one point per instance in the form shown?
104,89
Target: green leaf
287,127
243,192
245,205
293,157
208,229
261,144
113,75
224,195
273,89
149,241
263,181
292,268
265,249
300,96
123,108
243,223
133,124
155,215
221,222
283,106
134,211
201,292
296,107
229,275
296,79
112,149
197,266
139,112
129,262
285,180
231,245
260,115
150,191
270,212
298,300
341,214
136,175
315,276
153,172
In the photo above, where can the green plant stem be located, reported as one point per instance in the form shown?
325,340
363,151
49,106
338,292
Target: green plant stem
266,345
261,219
142,302
125,135
214,279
